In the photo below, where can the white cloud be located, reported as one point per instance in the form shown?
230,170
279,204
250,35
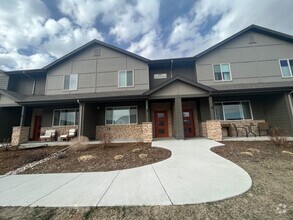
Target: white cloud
31,28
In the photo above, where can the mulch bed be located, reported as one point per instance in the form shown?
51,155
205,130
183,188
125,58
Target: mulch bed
14,158
103,159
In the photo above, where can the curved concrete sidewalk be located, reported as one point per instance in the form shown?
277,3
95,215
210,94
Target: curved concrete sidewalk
193,174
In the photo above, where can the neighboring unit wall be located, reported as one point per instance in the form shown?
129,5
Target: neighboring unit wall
250,61
97,73
20,83
4,79
10,117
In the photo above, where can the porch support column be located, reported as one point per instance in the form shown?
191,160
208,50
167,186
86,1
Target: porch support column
22,116
178,119
81,117
211,107
289,101
147,114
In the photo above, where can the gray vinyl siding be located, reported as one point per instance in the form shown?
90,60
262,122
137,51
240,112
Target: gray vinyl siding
204,109
97,73
9,117
21,84
249,62
40,85
184,69
277,112
94,114
4,79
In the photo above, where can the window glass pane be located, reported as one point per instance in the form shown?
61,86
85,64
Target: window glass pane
133,114
63,117
122,78
56,118
70,118
232,111
285,68
66,82
161,115
217,72
73,81
121,116
246,110
186,114
129,78
109,116
291,66
218,111
226,72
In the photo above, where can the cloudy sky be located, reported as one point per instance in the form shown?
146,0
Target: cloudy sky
34,33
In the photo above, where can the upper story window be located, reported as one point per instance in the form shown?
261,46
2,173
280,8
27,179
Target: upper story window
121,115
125,78
65,117
70,82
235,110
286,68
222,72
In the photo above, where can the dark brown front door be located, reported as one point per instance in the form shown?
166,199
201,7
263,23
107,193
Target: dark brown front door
37,127
188,123
161,124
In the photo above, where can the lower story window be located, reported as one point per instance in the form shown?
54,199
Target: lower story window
121,115
238,110
65,117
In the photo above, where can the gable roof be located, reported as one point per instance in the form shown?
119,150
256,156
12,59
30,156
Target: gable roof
86,46
182,79
254,28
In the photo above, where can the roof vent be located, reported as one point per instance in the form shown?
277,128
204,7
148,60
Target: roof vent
97,52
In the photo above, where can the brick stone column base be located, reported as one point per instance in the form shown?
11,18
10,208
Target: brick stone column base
19,135
214,130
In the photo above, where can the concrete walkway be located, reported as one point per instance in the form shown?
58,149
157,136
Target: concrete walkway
193,174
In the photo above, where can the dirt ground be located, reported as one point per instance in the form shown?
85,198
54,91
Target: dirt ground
15,158
271,195
104,159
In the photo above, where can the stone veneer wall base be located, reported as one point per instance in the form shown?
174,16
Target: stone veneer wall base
140,132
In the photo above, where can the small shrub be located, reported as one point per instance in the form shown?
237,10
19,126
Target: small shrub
62,155
106,139
278,136
79,143
6,144
36,156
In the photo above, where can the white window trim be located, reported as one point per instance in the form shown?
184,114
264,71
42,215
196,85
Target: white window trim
66,90
288,66
240,110
222,80
131,106
126,79
76,109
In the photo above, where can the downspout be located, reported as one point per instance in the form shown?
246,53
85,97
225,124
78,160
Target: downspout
34,84
290,102
171,70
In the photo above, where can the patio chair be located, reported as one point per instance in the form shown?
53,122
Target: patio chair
263,126
237,131
71,134
48,135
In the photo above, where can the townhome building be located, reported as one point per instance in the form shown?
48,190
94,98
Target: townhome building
240,82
